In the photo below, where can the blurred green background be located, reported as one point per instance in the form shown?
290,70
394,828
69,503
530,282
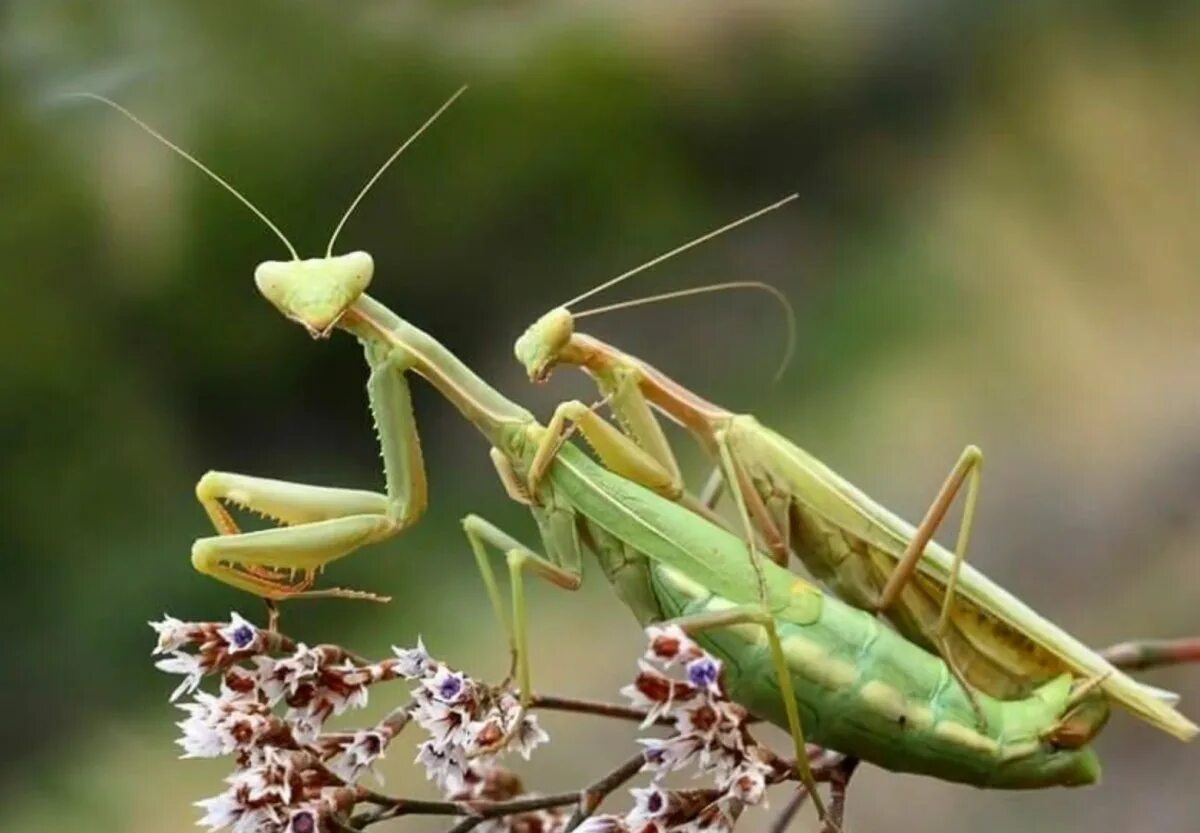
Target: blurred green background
996,243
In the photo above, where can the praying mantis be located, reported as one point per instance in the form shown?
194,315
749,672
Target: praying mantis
805,660
991,640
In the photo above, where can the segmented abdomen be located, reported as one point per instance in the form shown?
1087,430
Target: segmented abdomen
864,690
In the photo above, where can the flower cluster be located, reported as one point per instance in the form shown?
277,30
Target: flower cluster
469,724
269,714
467,721
293,776
710,736
219,645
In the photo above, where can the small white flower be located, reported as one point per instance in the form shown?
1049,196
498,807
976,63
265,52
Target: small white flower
748,784
529,736
413,662
447,686
220,810
359,755
670,644
603,824
219,725
173,634
189,665
666,754
284,677
306,723
445,724
269,782
445,767
648,803
657,693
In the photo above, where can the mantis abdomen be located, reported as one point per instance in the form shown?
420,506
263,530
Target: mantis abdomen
864,690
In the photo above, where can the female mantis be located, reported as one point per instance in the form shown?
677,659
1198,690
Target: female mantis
992,641
862,688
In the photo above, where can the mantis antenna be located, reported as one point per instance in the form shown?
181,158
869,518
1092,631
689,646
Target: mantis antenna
788,311
212,174
388,163
680,249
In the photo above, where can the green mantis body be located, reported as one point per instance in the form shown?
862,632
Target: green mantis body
789,649
871,558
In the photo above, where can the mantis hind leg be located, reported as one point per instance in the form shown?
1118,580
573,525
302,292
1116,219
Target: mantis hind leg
967,470
752,615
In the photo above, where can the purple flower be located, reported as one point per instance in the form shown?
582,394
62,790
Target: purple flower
703,672
303,821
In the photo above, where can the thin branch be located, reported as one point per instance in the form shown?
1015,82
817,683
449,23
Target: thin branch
789,811
477,811
398,718
592,707
592,796
1140,655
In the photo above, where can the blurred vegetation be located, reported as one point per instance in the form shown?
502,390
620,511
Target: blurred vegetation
996,242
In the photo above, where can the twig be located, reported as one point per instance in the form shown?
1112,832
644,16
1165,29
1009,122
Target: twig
1140,655
592,796
780,823
475,812
478,811
592,707
398,718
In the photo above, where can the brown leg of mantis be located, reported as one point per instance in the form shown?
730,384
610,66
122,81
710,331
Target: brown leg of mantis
966,470
839,782
759,616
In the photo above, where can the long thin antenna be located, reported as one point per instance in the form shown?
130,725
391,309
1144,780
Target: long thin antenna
789,313
681,249
194,161
387,164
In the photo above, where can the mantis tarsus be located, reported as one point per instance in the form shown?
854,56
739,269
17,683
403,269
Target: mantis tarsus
868,556
862,688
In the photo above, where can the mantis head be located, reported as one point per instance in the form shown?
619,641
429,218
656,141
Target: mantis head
540,346
317,291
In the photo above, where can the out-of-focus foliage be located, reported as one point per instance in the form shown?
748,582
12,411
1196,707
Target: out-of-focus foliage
996,242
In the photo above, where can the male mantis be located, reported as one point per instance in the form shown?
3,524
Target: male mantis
864,689
991,640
